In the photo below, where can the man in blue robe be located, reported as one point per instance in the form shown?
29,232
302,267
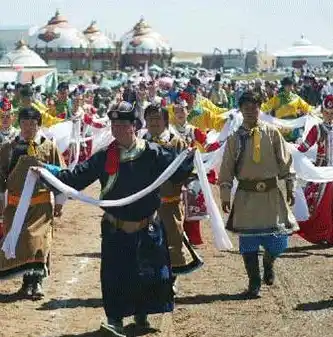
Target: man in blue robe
136,275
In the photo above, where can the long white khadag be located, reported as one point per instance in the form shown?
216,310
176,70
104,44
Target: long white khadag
221,239
10,242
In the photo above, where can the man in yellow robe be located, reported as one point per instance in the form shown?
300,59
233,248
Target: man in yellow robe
287,105
203,114
27,101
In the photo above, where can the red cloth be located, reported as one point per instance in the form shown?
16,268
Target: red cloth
6,104
313,137
2,231
192,230
319,227
93,110
164,102
213,147
85,153
62,115
212,177
200,136
112,159
185,96
89,120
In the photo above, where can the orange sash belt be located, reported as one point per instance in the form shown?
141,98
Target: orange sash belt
40,198
169,200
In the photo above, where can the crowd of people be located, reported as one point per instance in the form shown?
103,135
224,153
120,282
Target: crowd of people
149,243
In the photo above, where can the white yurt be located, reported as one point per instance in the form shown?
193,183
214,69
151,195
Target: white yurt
142,38
302,52
22,57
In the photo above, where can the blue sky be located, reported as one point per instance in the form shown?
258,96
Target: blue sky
192,25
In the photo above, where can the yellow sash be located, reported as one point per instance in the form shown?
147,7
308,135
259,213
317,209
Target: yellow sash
255,132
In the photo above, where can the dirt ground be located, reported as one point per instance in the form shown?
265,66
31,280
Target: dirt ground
209,303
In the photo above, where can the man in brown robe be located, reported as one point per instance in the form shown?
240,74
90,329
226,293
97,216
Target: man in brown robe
171,211
33,249
256,155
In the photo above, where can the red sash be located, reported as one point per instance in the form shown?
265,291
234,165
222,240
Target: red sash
112,159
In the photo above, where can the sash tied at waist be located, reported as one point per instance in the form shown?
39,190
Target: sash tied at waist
40,198
259,186
129,226
170,200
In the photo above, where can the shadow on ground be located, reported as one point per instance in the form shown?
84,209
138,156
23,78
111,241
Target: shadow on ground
89,255
12,298
314,306
71,303
307,251
129,331
206,299
86,334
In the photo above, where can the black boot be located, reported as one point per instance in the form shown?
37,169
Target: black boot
251,262
141,321
269,275
37,291
27,285
113,327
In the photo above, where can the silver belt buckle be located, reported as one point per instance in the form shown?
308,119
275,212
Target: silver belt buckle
261,186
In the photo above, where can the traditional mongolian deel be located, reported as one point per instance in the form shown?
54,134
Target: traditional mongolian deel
259,191
35,241
287,105
172,212
259,160
319,227
193,136
136,272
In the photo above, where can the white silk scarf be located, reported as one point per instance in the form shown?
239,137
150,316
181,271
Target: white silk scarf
221,238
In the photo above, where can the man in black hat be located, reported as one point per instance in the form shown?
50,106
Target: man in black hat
16,157
136,274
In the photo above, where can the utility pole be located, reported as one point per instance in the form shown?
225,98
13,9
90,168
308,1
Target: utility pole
242,39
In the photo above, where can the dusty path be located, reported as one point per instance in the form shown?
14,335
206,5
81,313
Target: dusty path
209,304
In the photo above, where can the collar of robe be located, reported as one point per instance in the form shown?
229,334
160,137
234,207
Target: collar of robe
117,154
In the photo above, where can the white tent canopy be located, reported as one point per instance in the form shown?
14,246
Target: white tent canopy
303,48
